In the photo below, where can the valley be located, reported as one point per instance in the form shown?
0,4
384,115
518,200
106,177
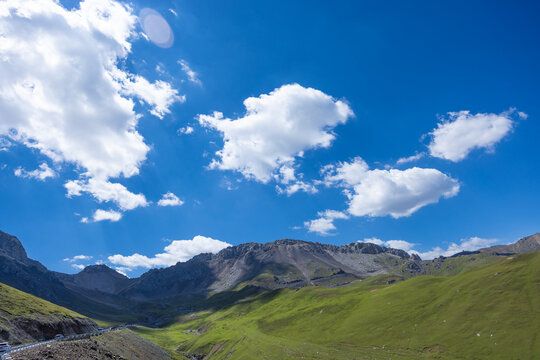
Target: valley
292,299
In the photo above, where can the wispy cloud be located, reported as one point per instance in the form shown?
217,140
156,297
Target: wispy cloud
101,215
42,173
192,75
408,159
78,258
186,130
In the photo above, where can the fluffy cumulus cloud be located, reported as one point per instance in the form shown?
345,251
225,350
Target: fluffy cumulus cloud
43,172
461,132
276,129
64,92
393,192
324,224
104,191
101,215
176,251
170,199
469,244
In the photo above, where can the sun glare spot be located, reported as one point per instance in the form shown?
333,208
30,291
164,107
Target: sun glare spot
156,28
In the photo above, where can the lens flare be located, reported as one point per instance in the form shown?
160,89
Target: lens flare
156,28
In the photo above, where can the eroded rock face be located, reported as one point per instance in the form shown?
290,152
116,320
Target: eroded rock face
11,246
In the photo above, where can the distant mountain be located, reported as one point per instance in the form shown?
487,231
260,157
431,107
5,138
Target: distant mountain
22,273
209,279
97,277
525,245
281,264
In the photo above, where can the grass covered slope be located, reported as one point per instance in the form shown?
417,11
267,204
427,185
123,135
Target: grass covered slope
492,312
25,318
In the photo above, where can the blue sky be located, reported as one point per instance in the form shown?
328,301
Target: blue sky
335,87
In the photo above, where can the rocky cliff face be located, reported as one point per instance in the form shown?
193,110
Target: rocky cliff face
12,247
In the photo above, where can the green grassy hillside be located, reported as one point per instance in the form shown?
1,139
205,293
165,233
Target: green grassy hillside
25,318
451,266
18,303
492,312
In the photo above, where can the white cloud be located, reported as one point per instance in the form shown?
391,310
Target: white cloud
192,75
170,199
176,251
173,12
470,244
373,240
122,270
324,224
295,187
395,244
64,92
186,130
100,215
287,177
393,192
78,266
42,173
456,136
110,215
160,95
106,191
78,257
412,158
5,144
277,129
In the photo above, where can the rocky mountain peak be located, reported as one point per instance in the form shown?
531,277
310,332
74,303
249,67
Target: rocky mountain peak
524,245
11,246
101,269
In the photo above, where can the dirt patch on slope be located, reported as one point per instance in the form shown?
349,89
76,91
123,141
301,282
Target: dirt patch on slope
117,345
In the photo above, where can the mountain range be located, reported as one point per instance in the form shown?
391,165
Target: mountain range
211,280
